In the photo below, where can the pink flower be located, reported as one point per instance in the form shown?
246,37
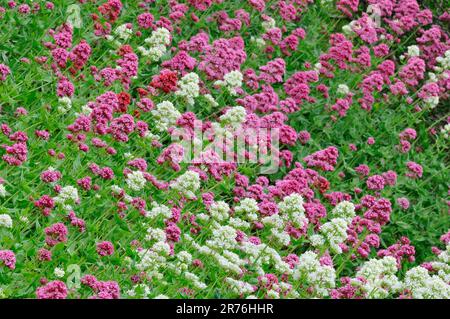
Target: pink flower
8,258
324,159
52,290
57,233
375,182
65,88
414,170
105,248
4,72
145,20
403,202
44,254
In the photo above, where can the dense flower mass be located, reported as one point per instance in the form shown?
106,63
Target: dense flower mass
224,149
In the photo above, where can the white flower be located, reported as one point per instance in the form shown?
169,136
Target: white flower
344,209
335,233
156,233
68,195
380,279
161,297
260,43
158,210
343,89
348,30
281,237
413,50
248,207
310,272
5,220
162,248
291,208
234,116
239,287
219,210
445,131
86,110
59,272
23,219
188,87
157,42
187,184
160,36
165,115
268,24
432,101
123,32
65,104
223,237
210,100
136,180
239,223
2,190
232,81
317,240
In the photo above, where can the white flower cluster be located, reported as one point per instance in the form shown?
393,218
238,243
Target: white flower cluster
247,207
413,50
291,209
234,116
188,87
232,81
136,180
123,32
65,104
343,89
222,237
158,210
431,101
441,72
165,115
310,272
157,42
153,257
155,234
59,272
334,233
219,211
239,223
187,184
239,287
443,62
66,197
268,24
344,209
5,221
380,278
210,100
262,254
424,286
2,190
259,42
195,281
445,131
141,291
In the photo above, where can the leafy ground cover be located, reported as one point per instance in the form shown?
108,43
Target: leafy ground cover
97,199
